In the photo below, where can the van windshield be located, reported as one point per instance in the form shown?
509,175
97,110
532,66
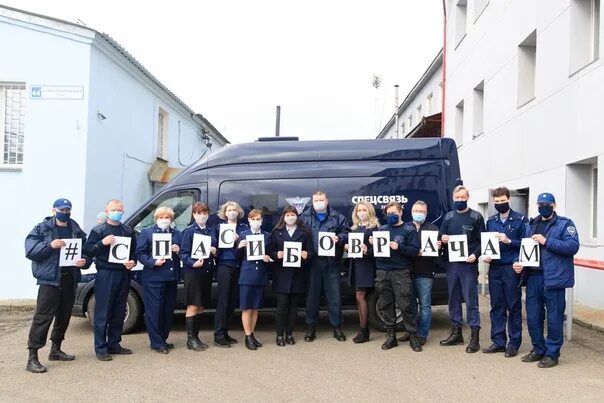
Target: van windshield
181,202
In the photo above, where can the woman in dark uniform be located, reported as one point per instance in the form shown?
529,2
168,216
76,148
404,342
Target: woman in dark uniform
361,271
289,283
198,275
253,278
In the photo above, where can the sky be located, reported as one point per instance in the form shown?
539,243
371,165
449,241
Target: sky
235,61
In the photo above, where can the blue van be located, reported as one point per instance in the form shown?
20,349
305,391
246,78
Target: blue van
273,172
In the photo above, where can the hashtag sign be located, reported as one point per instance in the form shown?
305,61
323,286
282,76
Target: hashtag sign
71,252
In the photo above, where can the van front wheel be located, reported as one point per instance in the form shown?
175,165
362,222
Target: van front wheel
134,312
376,314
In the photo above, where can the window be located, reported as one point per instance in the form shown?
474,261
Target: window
410,122
403,128
461,11
459,124
420,115
594,201
527,62
181,202
584,33
479,6
162,134
429,104
12,122
479,109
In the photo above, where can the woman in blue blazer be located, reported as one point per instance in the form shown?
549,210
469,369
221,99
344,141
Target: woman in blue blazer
253,277
159,278
289,283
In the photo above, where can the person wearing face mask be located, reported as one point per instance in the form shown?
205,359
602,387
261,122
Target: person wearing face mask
160,278
462,277
57,285
361,271
504,291
112,282
198,275
227,275
558,241
393,277
289,283
253,278
423,269
324,271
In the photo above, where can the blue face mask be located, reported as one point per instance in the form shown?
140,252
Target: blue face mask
546,211
392,219
419,217
63,217
116,215
460,205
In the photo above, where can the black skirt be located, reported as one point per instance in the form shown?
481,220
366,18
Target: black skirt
251,297
198,288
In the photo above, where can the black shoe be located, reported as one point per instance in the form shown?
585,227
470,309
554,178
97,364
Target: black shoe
422,340
390,340
103,357
415,343
170,346
121,351
161,350
474,344
256,342
362,336
230,339
249,343
338,334
289,339
221,342
280,341
532,357
404,337
455,338
33,364
193,342
492,349
57,355
511,352
547,362
310,334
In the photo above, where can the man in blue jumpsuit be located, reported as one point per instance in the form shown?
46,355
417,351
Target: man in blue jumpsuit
545,285
504,282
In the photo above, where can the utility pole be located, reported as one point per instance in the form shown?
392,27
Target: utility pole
278,123
396,109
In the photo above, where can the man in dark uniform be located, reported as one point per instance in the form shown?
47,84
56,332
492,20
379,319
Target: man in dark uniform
546,285
112,282
56,294
504,289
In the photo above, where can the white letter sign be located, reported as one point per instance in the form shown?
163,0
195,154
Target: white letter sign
489,245
201,246
327,246
255,247
119,250
161,246
458,248
381,239
529,253
355,240
429,245
292,254
71,252
226,237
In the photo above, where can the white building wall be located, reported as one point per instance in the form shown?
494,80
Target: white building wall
548,144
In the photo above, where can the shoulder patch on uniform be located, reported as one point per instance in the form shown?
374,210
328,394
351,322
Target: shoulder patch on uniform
571,230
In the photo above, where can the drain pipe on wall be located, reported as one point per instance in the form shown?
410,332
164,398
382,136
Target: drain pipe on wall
444,80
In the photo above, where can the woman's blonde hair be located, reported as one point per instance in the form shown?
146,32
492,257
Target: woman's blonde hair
162,211
222,210
373,221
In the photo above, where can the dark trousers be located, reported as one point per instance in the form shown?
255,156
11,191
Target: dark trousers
111,294
228,280
160,300
395,288
53,303
462,281
506,305
539,302
324,277
287,312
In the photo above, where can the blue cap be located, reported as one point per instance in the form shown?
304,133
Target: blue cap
546,198
62,203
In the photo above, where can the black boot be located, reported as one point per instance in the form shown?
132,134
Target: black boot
474,344
203,345
249,343
33,365
454,338
192,342
390,339
57,355
338,334
280,340
362,336
256,342
289,338
414,342
310,334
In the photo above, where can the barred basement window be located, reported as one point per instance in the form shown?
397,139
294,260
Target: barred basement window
12,122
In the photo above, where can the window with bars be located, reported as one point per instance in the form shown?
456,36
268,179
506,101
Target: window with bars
12,122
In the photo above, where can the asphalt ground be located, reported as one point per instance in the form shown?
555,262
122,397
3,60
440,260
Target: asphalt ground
324,370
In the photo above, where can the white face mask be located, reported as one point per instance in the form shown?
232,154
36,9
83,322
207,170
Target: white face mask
320,206
232,215
255,225
201,219
164,223
290,220
363,215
